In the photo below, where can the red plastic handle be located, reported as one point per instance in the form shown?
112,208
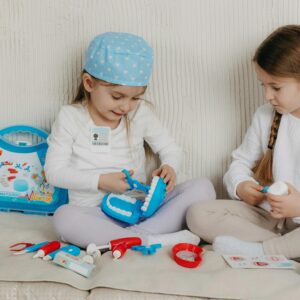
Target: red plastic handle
50,247
129,241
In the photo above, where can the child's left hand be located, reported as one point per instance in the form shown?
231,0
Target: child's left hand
286,206
168,175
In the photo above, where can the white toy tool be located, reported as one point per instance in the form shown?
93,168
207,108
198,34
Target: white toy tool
278,188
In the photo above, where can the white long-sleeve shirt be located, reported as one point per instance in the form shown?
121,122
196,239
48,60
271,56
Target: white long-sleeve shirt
71,164
286,156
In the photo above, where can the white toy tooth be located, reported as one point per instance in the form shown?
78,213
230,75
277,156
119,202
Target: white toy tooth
130,210
278,188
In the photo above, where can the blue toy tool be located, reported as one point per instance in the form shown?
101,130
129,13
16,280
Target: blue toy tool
23,185
26,247
71,249
265,189
130,210
146,250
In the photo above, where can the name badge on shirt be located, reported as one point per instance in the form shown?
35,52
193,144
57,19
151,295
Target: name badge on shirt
100,139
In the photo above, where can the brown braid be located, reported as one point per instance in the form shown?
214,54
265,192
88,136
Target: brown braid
279,56
274,130
263,168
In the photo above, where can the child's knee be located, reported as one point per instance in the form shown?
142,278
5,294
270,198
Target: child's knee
200,189
61,213
195,215
204,186
199,219
62,219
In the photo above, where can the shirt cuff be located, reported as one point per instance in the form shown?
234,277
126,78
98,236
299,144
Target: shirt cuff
94,182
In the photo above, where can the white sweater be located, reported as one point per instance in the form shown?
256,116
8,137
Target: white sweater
71,164
286,159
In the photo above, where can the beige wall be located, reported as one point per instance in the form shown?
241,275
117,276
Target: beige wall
203,86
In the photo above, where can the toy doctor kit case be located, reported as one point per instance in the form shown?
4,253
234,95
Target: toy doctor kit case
23,186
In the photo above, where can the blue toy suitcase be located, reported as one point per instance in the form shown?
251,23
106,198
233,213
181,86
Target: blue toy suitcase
23,185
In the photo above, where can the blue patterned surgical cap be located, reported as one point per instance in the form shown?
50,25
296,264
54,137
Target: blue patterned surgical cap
120,58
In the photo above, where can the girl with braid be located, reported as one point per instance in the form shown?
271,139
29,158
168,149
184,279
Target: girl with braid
270,152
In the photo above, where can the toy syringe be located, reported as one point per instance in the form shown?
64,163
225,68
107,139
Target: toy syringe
118,246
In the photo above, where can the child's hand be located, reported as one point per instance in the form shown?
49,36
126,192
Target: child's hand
249,191
286,206
168,175
114,182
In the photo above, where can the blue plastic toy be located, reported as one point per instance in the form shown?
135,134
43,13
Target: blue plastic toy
23,185
146,250
265,189
71,249
131,210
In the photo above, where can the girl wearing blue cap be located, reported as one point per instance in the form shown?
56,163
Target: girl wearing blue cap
103,132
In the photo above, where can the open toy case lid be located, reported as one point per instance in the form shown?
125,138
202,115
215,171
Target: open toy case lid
23,185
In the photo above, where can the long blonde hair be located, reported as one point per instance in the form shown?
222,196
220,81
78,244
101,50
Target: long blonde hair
278,55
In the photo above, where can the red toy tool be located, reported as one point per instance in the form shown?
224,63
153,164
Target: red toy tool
48,248
187,255
118,246
21,248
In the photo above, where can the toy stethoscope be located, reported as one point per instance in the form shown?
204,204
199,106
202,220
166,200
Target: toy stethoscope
187,255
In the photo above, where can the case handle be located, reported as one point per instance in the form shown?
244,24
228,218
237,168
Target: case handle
5,144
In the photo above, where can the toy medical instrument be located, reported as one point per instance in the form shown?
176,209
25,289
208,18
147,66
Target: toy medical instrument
187,255
91,258
73,263
118,251
71,249
278,188
130,210
48,248
146,250
118,246
22,248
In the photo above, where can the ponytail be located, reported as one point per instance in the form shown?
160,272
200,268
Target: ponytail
263,168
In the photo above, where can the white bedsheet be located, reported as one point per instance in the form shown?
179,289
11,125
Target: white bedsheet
153,274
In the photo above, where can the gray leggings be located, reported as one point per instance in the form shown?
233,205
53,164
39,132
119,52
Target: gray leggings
84,225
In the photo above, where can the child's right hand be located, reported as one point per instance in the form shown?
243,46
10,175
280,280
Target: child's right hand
114,182
285,206
249,191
